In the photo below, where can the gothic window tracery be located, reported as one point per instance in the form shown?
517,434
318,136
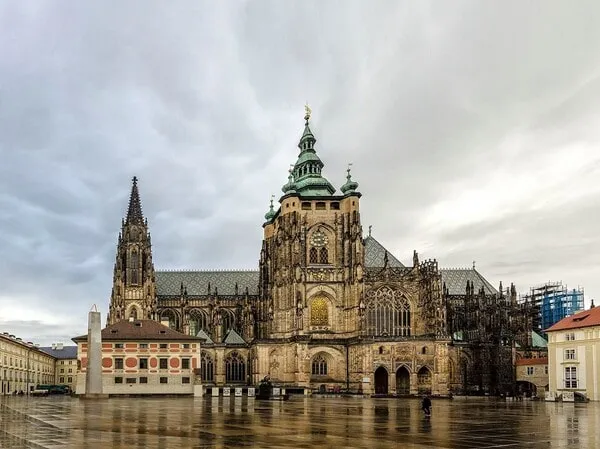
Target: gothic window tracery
198,321
388,313
170,317
314,255
229,322
319,312
319,366
206,367
323,256
235,368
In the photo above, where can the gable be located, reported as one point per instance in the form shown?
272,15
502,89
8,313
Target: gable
375,255
456,281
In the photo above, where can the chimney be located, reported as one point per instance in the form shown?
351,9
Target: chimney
59,346
53,345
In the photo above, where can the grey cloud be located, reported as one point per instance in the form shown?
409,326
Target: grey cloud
203,102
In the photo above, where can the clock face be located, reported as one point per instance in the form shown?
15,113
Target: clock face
318,239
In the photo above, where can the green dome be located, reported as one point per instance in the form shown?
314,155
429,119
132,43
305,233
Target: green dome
271,213
290,186
350,186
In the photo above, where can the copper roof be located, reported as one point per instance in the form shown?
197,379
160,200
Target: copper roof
140,330
585,318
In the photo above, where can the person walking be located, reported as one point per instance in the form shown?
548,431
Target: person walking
426,405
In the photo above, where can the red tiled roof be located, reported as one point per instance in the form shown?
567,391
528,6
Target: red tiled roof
536,361
140,330
585,318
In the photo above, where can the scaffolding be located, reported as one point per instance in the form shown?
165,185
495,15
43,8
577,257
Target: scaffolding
552,302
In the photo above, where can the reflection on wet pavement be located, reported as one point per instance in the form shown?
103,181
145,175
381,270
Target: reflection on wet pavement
172,423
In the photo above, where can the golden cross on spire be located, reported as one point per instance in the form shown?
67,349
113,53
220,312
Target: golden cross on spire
307,112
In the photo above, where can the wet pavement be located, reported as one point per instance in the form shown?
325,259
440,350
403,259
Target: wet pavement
58,422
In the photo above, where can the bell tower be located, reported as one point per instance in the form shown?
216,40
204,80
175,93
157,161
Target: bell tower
312,255
133,293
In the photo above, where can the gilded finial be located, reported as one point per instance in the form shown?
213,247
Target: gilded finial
272,198
349,168
307,112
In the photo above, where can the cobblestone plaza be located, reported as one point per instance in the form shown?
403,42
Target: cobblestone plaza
55,422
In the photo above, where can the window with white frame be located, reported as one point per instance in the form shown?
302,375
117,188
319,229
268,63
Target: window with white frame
570,354
570,336
570,377
530,370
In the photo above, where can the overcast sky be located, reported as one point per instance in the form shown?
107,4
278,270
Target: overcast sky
473,129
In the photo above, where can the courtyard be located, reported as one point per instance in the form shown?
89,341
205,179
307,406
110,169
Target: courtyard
56,422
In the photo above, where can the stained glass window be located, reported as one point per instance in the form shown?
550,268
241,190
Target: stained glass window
319,366
235,368
388,313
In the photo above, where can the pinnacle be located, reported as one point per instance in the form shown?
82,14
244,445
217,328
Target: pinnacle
134,211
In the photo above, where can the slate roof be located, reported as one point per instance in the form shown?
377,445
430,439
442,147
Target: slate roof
139,330
168,283
375,253
67,352
206,337
456,280
585,318
233,338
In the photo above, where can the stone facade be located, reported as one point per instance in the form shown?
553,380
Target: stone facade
328,308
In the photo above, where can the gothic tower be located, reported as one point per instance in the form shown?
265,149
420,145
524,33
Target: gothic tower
133,293
311,264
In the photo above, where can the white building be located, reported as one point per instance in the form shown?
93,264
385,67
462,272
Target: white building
574,356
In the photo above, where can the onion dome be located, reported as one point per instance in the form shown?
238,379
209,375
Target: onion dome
271,213
350,186
289,187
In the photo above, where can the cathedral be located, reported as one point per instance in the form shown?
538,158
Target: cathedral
329,308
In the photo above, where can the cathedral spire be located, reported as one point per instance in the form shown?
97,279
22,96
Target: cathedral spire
134,212
307,179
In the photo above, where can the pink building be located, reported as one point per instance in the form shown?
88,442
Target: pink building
144,357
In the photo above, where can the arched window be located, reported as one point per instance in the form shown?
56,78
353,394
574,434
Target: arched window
319,366
229,321
388,313
235,368
198,321
424,380
206,367
171,317
319,312
133,267
323,256
314,255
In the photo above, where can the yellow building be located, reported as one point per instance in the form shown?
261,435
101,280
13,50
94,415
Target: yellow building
23,365
574,356
65,371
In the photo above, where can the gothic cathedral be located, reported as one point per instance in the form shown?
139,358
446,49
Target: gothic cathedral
329,308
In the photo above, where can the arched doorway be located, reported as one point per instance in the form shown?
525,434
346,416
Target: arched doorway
402,381
526,389
424,380
381,381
